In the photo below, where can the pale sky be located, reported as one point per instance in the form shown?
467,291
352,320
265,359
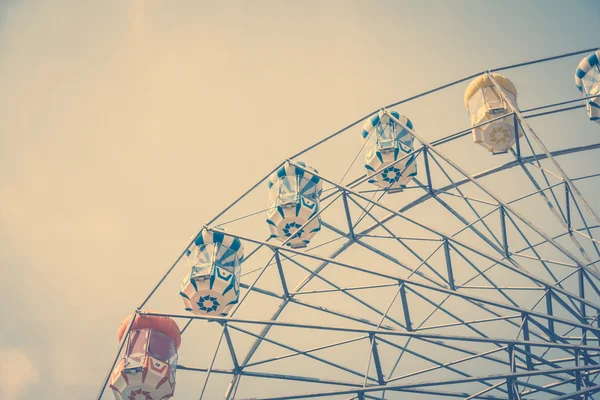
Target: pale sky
126,125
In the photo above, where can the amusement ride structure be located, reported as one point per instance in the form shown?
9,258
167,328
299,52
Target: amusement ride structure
454,268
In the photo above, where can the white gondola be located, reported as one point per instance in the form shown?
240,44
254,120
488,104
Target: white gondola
388,150
212,286
484,103
587,80
294,199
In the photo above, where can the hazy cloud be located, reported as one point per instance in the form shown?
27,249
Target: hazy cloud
17,372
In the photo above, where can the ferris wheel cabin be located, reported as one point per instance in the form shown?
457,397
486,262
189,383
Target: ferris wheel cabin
147,369
389,160
485,102
212,286
294,199
587,80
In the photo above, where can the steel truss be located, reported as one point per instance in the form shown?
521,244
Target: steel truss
494,305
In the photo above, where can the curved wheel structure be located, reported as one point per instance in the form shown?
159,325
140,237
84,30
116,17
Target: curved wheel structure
479,280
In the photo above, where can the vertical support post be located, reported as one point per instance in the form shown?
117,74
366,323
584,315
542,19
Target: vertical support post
550,312
348,217
404,300
581,285
568,206
581,278
585,355
510,384
525,319
286,293
511,358
586,378
449,265
234,359
376,359
517,142
510,389
581,381
427,169
503,227
577,373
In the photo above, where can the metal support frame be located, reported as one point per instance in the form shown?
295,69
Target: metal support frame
457,242
489,192
579,366
415,284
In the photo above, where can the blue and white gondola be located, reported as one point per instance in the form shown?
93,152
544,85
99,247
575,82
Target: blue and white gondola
388,142
294,199
587,80
212,286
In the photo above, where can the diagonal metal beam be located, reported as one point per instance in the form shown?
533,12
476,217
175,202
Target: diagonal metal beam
303,353
341,290
314,349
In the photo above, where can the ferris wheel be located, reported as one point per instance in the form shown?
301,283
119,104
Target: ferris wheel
464,267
